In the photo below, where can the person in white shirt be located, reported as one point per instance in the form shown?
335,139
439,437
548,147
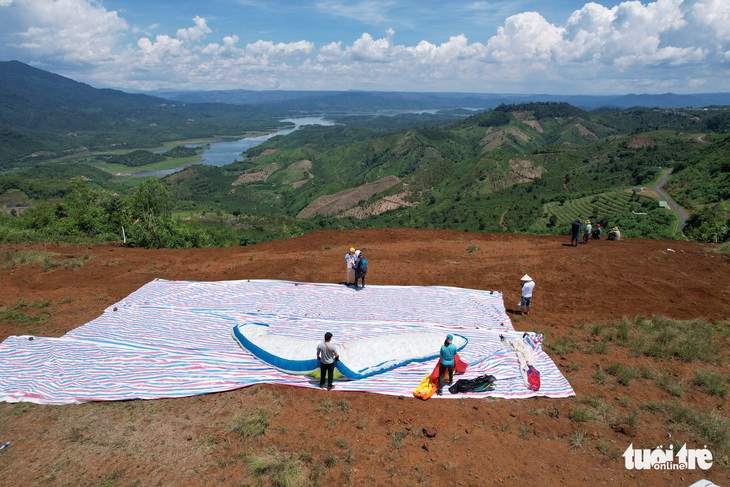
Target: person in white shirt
526,301
350,267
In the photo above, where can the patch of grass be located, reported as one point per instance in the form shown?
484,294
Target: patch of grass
599,375
330,460
396,439
10,258
561,346
76,435
112,479
254,424
689,341
597,348
472,248
325,405
632,419
577,439
343,406
674,387
624,374
341,442
710,383
281,468
710,427
21,408
578,414
524,431
209,439
723,248
649,373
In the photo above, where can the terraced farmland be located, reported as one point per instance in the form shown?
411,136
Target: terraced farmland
605,204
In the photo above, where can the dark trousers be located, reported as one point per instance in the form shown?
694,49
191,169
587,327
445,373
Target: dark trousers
442,371
358,277
328,369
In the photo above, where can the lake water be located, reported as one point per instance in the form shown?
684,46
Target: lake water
226,152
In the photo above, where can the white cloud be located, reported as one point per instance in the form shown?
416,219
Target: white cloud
714,14
662,44
526,36
372,50
195,33
268,48
330,53
69,30
371,11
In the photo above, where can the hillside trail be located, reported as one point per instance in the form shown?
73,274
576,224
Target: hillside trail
371,439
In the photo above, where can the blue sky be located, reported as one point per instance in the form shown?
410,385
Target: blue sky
510,46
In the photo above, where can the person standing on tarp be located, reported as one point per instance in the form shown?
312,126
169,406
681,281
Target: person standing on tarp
327,356
447,353
350,267
361,268
526,301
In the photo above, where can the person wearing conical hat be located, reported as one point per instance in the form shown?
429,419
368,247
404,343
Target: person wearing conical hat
350,267
526,301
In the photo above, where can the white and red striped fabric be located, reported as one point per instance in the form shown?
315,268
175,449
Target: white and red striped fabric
173,339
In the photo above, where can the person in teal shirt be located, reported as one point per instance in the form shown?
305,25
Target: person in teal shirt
448,351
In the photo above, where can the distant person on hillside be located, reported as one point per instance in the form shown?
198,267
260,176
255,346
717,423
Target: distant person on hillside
526,300
575,229
361,268
587,231
350,267
327,356
614,234
598,232
447,353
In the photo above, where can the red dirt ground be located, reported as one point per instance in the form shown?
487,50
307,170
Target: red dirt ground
367,439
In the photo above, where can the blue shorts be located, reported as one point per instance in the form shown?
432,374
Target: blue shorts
526,301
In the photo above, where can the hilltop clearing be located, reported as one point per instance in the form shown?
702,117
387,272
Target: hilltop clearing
631,386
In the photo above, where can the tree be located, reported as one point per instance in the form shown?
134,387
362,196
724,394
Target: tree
709,224
149,207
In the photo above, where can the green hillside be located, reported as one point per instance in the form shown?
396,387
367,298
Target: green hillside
529,168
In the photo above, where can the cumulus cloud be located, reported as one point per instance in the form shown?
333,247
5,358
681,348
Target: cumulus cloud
659,45
70,30
195,33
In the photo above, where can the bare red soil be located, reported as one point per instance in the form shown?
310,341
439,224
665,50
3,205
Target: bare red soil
367,439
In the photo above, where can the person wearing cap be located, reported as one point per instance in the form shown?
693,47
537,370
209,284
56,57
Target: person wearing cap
350,267
614,234
447,353
587,231
598,232
526,301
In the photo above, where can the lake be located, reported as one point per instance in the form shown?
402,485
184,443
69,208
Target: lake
226,152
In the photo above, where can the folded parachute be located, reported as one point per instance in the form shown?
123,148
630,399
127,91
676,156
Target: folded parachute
358,359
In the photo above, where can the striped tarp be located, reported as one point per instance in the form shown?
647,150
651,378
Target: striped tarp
173,339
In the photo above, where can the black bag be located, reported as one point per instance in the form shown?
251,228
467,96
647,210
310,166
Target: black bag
477,384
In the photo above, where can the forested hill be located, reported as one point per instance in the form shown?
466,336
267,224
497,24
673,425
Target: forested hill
341,101
42,111
519,167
